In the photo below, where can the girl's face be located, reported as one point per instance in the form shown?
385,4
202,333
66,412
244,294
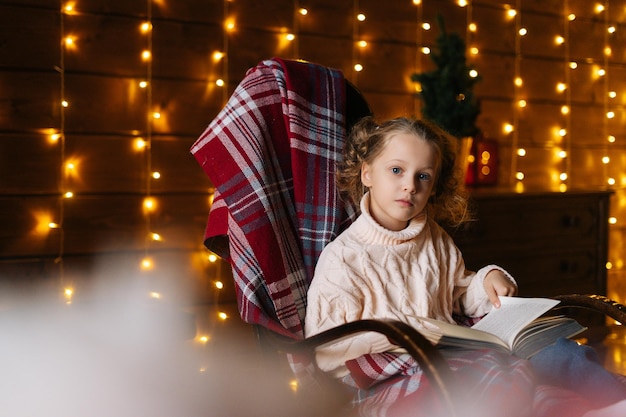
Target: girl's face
400,180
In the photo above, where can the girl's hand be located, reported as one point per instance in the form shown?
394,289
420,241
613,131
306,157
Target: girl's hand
496,283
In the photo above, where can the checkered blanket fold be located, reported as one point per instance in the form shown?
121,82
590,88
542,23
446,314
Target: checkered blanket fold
271,155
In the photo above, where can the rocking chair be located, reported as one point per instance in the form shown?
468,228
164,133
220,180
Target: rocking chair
271,155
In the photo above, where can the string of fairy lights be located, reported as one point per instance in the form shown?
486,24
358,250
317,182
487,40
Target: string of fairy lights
288,43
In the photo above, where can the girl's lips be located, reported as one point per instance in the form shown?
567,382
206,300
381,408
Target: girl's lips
405,203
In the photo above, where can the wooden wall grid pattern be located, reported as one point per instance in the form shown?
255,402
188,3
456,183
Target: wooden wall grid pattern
104,223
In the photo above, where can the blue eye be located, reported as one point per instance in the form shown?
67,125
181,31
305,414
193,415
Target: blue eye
425,176
396,170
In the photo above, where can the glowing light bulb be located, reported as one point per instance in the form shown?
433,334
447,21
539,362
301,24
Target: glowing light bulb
218,55
360,17
612,220
611,181
155,295
362,44
68,194
571,17
303,11
474,50
156,115
560,87
562,154
203,339
606,160
518,81
521,152
611,139
219,285
54,138
564,109
462,3
149,204
426,26
559,40
156,237
156,175
573,65
611,29
65,103
608,51
472,27
53,225
508,128
140,144
612,94
229,25
523,32
358,67
147,264
426,50
473,73
562,132
219,82
145,27
601,72
146,55
290,37
511,12
599,8
212,257
610,114
519,176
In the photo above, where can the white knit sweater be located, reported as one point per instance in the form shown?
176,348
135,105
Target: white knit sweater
371,272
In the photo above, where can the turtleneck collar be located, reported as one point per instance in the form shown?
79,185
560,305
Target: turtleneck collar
369,231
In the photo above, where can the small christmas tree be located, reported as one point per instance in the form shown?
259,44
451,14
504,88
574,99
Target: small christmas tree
447,91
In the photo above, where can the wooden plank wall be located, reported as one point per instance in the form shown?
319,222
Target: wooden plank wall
104,223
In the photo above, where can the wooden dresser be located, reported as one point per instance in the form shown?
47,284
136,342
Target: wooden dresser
552,243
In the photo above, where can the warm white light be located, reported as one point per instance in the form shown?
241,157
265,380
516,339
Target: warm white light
523,31
608,51
508,128
360,17
222,315
146,264
140,144
358,67
156,237
219,82
610,114
472,27
474,50
560,87
156,175
212,257
511,13
68,194
559,40
473,73
611,139
606,160
518,81
219,285
426,26
519,176
218,55
611,181
521,152
462,3
612,94
599,8
562,176
53,225
562,154
143,84
611,29
156,115
65,103
612,220
571,17
601,72
303,11
564,109
149,203
573,65
362,44
145,27
290,37
562,132
522,103
146,55
426,50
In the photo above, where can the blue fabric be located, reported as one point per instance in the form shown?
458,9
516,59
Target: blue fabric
578,368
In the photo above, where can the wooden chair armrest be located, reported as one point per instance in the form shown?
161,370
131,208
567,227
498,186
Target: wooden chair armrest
598,303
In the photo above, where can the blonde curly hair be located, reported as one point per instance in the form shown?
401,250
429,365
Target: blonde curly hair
449,202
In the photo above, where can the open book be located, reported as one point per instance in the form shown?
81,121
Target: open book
516,327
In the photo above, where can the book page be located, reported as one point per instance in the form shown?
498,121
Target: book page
513,315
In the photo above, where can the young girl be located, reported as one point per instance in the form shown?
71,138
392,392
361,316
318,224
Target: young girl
395,261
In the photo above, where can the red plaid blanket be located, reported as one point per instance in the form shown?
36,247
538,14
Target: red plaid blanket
271,154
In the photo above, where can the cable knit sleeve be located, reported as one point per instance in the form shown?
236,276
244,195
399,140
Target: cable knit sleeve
334,298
